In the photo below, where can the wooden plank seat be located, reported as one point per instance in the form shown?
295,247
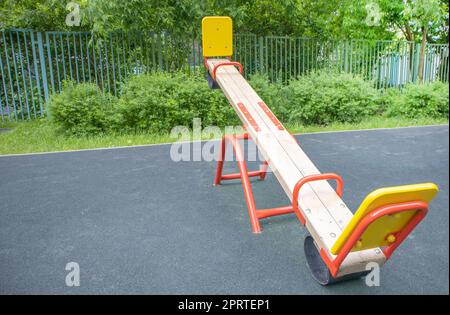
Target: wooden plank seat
347,243
325,213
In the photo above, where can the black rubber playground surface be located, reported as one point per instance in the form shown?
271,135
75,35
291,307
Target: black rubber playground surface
136,222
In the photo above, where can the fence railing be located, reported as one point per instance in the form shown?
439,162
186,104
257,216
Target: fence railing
33,64
387,63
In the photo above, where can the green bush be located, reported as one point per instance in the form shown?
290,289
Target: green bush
82,109
419,100
157,102
324,97
270,92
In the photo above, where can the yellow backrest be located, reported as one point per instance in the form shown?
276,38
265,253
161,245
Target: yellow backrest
378,231
217,36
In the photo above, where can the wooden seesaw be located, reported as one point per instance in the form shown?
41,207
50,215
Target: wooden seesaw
341,244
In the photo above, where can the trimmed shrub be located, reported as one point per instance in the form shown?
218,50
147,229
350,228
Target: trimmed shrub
82,109
419,100
324,97
158,102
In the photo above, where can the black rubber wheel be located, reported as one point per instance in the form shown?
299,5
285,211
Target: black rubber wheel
319,269
211,82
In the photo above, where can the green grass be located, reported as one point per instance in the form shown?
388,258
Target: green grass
370,123
41,135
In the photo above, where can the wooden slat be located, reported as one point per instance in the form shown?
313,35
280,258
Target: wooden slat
326,213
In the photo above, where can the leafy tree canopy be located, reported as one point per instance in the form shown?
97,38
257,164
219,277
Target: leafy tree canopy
337,19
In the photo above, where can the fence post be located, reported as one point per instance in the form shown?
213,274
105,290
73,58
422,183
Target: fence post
5,90
42,62
261,54
416,60
36,70
160,59
50,61
346,57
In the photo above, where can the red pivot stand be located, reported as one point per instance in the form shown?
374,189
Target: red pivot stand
244,175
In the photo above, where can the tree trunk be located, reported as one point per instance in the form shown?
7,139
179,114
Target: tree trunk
409,34
422,53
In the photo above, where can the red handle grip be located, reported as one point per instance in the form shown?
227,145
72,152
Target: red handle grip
312,178
231,63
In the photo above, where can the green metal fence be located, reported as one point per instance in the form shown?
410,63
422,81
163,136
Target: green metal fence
387,63
109,61
33,65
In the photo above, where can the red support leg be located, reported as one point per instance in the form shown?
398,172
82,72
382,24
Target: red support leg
266,213
263,171
256,228
219,176
254,214
220,162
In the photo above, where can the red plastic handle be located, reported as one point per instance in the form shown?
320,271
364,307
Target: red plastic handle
231,63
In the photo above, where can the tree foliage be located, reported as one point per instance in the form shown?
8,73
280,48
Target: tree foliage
409,16
42,15
324,19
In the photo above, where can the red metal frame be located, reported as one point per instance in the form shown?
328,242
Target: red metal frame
231,63
244,175
419,206
257,214
205,61
312,178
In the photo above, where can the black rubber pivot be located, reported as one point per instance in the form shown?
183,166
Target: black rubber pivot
211,82
320,270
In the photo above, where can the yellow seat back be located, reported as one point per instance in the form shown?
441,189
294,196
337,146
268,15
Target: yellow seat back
378,232
217,36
